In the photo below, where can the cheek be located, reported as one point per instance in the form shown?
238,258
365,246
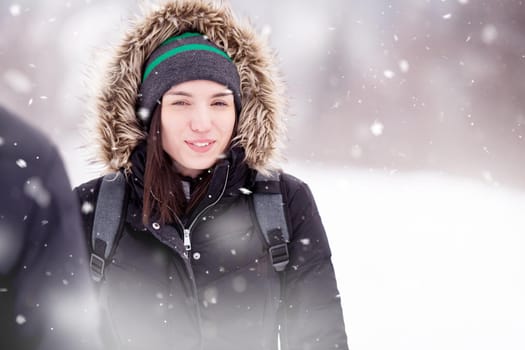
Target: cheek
170,133
228,124
229,127
164,138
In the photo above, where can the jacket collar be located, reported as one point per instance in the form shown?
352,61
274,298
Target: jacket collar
230,176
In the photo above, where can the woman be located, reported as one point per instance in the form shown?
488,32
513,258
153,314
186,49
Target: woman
190,114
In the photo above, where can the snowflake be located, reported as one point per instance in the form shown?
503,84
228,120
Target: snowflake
245,191
377,128
143,114
15,10
489,34
21,163
404,66
34,188
305,241
87,207
20,319
389,74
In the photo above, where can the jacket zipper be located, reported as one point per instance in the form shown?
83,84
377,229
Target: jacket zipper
187,241
186,231
187,247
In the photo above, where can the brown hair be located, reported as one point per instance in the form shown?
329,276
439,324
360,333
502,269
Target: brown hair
164,198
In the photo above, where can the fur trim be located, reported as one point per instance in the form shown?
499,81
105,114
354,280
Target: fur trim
261,123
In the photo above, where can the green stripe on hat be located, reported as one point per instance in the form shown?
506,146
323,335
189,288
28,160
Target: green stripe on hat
180,49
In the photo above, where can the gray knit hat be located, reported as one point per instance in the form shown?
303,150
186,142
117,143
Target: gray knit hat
181,58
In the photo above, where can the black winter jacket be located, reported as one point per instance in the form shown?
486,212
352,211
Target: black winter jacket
224,294
46,300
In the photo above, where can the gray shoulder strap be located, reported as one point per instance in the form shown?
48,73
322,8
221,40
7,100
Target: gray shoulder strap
107,221
270,212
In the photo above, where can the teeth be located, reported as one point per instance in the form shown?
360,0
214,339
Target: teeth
201,144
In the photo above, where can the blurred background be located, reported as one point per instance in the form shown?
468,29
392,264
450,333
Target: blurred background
407,118
398,85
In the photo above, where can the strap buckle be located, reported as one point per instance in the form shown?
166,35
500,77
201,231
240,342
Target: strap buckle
279,256
97,264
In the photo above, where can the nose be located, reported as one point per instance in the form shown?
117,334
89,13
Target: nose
201,120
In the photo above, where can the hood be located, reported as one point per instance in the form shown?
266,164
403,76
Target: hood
261,122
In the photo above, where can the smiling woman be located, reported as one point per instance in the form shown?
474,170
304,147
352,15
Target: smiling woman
199,260
191,130
197,119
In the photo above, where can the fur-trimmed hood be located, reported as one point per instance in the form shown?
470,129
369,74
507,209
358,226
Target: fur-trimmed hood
261,122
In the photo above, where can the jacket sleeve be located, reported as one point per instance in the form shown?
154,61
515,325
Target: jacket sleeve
312,316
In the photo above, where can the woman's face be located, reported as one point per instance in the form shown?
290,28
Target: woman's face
197,120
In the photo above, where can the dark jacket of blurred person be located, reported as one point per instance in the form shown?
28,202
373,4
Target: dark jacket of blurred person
45,291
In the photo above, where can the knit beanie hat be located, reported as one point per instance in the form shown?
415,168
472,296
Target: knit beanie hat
181,58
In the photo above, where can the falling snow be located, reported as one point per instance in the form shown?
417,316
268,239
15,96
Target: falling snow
20,319
87,207
143,114
389,74
489,34
383,199
34,188
15,10
211,295
245,191
305,241
377,128
21,163
404,66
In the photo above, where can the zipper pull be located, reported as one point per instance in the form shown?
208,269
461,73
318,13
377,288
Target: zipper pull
187,242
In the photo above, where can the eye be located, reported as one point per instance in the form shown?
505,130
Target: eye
179,103
219,103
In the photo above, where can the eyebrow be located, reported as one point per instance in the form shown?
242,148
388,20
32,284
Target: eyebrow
187,94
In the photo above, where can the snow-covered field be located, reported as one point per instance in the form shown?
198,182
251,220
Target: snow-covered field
424,261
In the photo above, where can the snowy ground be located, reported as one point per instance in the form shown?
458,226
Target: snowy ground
424,261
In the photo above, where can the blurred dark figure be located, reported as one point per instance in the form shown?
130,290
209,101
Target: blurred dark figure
45,287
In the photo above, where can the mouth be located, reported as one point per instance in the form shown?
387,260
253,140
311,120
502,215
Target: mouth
200,145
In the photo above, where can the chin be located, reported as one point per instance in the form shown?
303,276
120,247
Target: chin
201,166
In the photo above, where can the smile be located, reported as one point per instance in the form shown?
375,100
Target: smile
200,145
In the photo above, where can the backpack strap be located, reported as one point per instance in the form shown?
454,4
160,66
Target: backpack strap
269,210
109,218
